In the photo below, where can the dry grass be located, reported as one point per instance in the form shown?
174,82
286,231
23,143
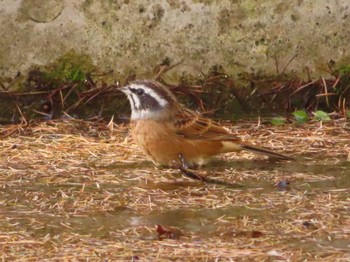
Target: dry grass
77,190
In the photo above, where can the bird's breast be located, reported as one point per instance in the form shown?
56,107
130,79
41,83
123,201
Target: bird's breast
161,143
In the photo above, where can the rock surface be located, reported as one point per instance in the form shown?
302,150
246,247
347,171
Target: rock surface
136,36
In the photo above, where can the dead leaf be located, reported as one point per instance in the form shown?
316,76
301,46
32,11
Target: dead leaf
165,233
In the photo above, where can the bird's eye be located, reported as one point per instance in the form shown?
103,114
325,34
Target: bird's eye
140,91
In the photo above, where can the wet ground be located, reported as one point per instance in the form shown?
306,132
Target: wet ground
73,190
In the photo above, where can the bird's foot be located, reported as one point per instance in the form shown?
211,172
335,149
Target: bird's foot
194,175
184,168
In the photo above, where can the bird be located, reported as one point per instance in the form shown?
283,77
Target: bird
170,134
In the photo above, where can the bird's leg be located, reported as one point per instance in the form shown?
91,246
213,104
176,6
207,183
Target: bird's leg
183,161
186,171
193,175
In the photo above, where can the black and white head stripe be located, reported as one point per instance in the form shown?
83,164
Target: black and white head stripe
147,98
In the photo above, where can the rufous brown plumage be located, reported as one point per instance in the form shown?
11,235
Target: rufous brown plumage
164,129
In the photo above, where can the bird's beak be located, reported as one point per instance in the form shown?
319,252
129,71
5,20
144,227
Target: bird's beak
124,89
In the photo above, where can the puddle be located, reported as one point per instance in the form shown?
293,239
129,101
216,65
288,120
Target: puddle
125,202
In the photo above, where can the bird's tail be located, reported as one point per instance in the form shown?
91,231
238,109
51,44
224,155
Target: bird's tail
265,151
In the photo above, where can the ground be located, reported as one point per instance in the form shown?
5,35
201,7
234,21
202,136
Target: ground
78,190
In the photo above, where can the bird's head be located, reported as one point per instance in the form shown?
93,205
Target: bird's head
149,99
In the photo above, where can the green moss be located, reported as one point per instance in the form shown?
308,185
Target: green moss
206,2
71,67
343,70
295,17
86,4
250,6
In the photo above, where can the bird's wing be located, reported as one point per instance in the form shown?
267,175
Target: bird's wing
192,125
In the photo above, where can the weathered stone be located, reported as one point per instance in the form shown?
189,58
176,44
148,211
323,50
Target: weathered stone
136,36
42,11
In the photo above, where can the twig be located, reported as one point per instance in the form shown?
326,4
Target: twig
290,61
20,112
302,87
325,91
165,68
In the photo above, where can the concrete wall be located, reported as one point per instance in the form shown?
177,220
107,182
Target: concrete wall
137,35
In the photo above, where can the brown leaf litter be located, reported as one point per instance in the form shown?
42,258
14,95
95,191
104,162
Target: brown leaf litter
78,190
